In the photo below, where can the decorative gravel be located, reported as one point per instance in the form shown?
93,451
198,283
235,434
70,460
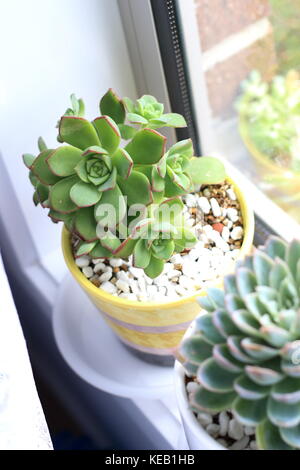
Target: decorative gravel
214,213
224,428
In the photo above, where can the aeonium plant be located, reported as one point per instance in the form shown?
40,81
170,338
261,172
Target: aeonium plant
113,195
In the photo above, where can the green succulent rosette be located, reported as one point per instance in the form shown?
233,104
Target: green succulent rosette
245,351
93,169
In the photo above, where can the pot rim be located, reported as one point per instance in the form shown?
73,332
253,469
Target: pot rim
248,219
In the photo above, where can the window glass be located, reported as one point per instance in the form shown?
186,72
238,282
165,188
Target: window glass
250,65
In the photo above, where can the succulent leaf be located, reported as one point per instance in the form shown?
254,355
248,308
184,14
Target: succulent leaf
155,267
147,147
28,160
85,248
123,162
41,170
195,349
250,390
41,144
112,106
291,436
60,200
78,132
250,412
205,400
214,377
108,133
85,224
127,132
206,170
269,438
62,161
84,194
142,255
136,183
110,199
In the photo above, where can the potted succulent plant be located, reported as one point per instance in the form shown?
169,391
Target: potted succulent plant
239,385
269,123
145,228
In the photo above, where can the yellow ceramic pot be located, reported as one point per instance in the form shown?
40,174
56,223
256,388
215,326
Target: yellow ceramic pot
155,328
283,184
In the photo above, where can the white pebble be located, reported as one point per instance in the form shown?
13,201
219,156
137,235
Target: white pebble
105,276
99,267
185,281
207,229
88,271
231,194
190,200
249,430
142,284
136,272
203,204
216,209
224,422
220,243
83,261
193,254
123,275
109,287
232,214
173,273
206,192
240,444
213,429
235,430
134,286
192,387
107,269
180,290
123,286
225,233
162,291
168,267
176,259
152,291
189,268
214,236
161,280
237,233
229,224
116,262
204,418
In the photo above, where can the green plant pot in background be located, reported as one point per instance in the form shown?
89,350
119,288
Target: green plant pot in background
269,125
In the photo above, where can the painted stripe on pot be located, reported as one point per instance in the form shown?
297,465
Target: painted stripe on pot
157,351
160,341
149,329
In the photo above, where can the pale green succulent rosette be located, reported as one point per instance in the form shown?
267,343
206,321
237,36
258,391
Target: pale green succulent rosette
164,233
245,351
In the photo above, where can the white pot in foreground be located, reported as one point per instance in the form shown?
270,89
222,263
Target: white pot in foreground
196,436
